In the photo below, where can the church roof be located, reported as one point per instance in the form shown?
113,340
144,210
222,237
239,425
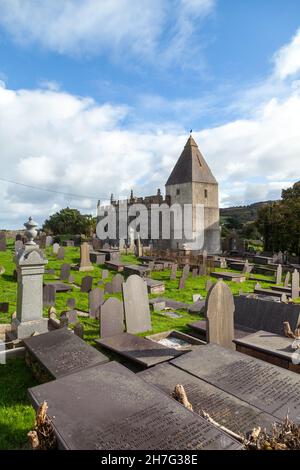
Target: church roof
191,167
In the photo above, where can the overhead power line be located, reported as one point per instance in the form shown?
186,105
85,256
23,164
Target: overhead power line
71,195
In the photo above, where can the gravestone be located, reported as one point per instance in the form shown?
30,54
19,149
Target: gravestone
71,302
173,272
79,330
96,299
202,270
104,274
185,271
18,237
195,272
71,316
151,265
4,306
158,306
117,283
287,279
65,271
181,283
222,407
49,240
49,293
295,284
120,411
55,248
219,311
71,279
18,246
86,284
111,318
284,298
63,322
60,352
136,306
2,241
60,252
270,388
50,271
280,257
278,274
246,268
108,289
208,285
42,242
30,263
85,263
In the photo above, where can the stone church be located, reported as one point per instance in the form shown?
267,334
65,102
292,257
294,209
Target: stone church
190,182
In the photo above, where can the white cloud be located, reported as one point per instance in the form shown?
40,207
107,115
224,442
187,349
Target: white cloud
287,59
79,27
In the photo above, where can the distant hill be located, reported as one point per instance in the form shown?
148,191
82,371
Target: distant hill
243,214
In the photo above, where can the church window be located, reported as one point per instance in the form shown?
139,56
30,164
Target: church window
205,193
177,192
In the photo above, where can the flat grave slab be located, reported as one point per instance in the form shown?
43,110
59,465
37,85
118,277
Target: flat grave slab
142,271
154,287
59,286
225,409
115,266
174,304
281,289
270,388
197,307
271,348
199,329
272,292
176,339
60,352
227,276
120,411
143,351
97,258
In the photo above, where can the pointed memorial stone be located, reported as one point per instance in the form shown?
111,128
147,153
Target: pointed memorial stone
111,318
136,305
295,284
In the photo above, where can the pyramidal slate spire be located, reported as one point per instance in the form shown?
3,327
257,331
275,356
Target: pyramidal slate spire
191,167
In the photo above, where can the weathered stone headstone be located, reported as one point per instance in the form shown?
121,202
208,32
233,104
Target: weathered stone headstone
85,264
279,274
49,293
173,272
61,253
79,330
71,279
136,305
96,299
195,272
185,271
117,283
71,302
42,242
208,285
295,284
111,318
284,298
55,248
65,271
246,268
104,274
280,257
108,289
159,306
219,312
287,279
30,263
202,270
18,246
2,241
49,240
181,283
71,316
63,322
86,284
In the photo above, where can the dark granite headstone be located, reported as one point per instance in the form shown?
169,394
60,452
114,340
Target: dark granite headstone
119,411
96,299
49,293
270,388
61,352
224,408
86,284
140,350
65,271
111,318
4,306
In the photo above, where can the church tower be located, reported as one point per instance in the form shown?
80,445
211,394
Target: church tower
192,182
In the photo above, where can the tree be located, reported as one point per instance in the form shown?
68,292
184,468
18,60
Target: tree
69,221
279,222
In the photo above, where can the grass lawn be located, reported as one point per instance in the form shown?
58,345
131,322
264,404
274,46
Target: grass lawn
16,414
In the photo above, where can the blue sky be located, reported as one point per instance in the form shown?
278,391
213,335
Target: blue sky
98,97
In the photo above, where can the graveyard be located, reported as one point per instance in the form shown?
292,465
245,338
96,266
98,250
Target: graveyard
84,313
